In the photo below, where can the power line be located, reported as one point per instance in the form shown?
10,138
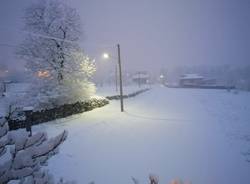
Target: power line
40,35
59,39
16,46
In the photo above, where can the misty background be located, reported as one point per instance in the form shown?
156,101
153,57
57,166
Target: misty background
169,37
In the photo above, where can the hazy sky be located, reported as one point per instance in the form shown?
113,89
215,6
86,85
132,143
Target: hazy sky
152,33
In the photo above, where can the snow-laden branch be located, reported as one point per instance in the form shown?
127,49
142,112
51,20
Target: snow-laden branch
24,155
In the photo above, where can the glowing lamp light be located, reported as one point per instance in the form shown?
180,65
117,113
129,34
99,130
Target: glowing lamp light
43,74
106,56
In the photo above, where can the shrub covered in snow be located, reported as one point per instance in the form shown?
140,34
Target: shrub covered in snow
50,95
22,156
153,179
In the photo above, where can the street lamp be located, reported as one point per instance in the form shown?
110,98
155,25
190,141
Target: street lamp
107,56
162,79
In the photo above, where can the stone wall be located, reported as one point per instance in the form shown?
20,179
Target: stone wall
37,117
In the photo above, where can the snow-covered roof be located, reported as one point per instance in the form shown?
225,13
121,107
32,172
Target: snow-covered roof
191,76
141,75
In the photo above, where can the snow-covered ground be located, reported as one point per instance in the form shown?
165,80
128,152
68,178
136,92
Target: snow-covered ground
198,135
13,93
111,90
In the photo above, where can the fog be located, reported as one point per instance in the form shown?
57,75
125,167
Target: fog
174,107
153,34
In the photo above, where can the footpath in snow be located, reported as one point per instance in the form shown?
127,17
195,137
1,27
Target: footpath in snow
192,134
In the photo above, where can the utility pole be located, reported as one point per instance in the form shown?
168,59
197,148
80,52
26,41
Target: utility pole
120,76
116,79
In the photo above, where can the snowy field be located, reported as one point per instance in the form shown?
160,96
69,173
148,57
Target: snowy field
197,135
111,90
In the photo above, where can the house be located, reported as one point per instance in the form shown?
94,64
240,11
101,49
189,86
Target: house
141,78
191,80
195,80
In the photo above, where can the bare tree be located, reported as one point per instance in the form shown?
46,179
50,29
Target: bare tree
54,31
53,54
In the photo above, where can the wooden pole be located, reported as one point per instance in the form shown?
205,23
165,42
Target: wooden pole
120,77
116,79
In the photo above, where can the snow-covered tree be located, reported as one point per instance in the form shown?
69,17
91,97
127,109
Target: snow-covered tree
21,155
53,55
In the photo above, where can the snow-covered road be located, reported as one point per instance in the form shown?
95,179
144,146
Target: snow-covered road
193,134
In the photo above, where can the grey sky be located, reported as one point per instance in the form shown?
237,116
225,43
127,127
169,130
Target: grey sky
153,33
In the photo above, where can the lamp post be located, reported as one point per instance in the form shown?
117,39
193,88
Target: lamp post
107,56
